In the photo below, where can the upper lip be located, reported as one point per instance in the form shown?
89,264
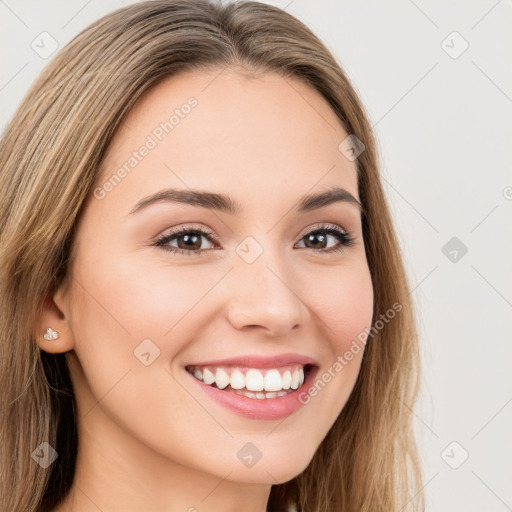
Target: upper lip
253,361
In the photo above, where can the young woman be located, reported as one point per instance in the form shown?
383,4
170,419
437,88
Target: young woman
203,302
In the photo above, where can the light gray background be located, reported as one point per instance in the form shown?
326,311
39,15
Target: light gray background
444,131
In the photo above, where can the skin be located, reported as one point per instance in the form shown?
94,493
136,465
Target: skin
149,438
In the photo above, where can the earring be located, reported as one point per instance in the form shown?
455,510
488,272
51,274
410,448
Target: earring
50,334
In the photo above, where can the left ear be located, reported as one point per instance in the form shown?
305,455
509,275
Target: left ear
55,325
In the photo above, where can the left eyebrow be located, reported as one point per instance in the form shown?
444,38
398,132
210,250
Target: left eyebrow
333,195
223,203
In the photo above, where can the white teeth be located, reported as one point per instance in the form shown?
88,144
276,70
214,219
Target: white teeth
260,396
221,378
295,380
273,381
237,380
254,380
267,383
287,379
208,376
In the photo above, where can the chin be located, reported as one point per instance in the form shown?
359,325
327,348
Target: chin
271,469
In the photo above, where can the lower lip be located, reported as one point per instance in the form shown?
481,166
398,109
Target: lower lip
259,409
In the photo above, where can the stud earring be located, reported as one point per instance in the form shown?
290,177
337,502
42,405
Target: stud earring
50,334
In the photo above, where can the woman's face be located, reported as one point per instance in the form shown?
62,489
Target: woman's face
145,316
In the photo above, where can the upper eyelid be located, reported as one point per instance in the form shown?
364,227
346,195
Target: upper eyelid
322,226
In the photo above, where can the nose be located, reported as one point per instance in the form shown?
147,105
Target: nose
262,296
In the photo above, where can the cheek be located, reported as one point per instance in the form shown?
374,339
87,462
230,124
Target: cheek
126,308
343,307
342,300
134,298
116,307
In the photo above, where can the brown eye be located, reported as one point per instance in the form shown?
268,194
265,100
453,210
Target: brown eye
189,241
316,240
185,241
319,239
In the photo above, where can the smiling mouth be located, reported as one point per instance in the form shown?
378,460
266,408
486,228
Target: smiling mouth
253,382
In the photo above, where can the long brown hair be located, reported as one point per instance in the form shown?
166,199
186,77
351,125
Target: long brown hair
50,154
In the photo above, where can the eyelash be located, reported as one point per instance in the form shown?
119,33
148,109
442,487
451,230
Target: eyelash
344,237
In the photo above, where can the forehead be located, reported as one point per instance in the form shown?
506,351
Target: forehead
259,137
